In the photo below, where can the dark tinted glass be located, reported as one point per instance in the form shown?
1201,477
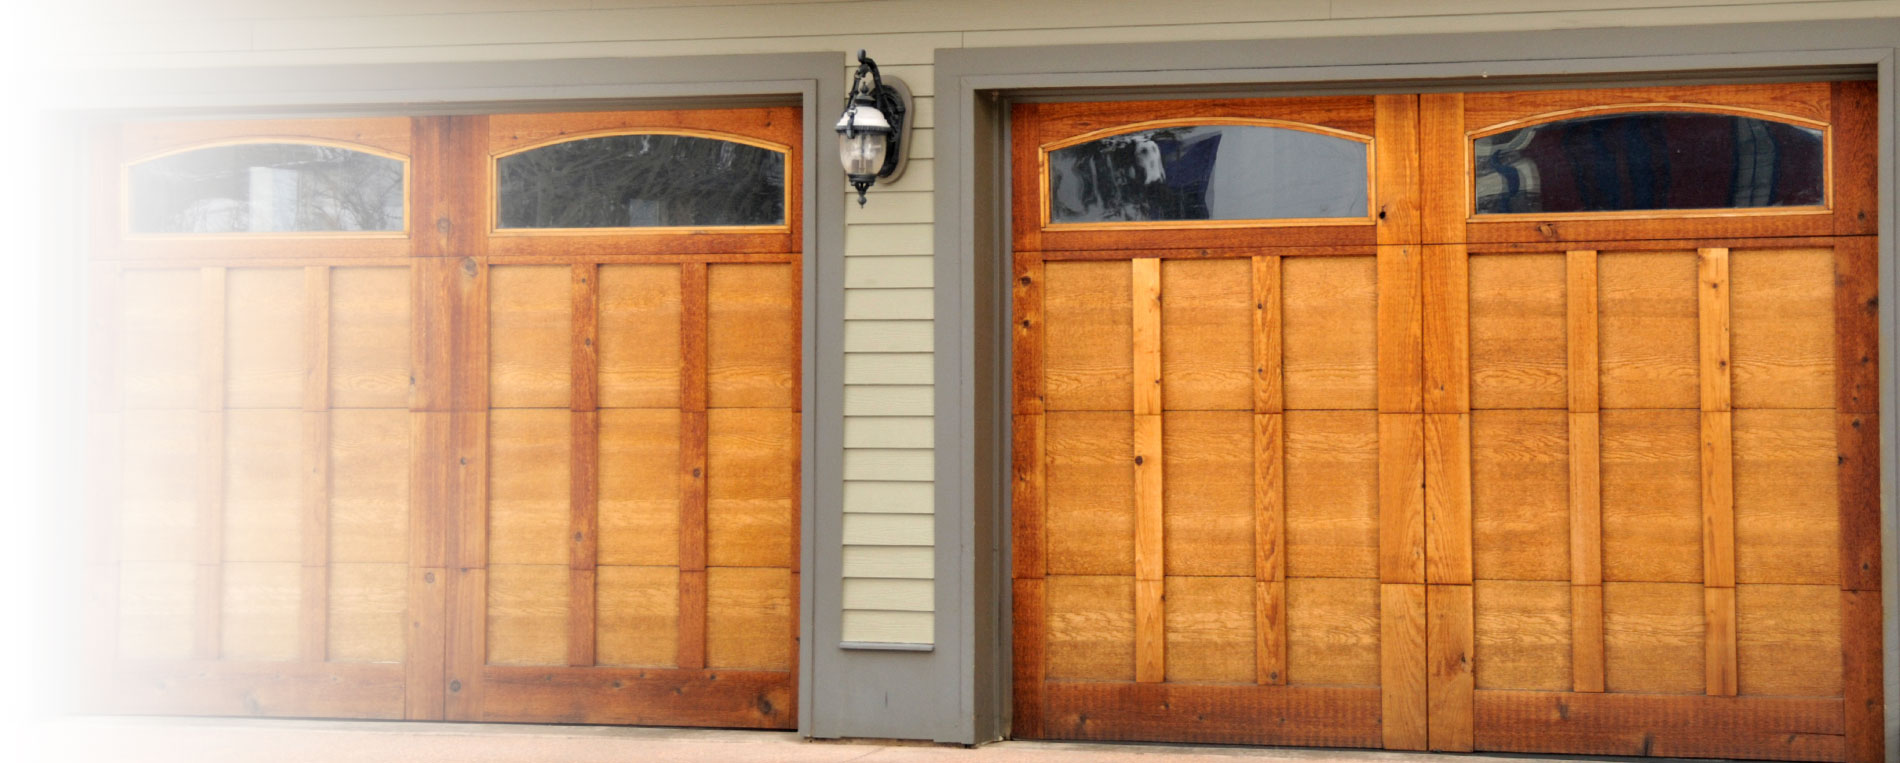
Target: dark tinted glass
1208,172
641,181
266,188
1660,160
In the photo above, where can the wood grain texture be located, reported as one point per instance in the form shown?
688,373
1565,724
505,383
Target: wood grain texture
1857,437
1403,691
1446,318
424,642
1088,336
1028,641
1396,139
1025,141
1449,646
315,535
1151,660
1268,327
1520,634
1647,318
1210,494
1442,154
1781,327
1861,660
1712,276
1650,475
1520,510
693,327
1150,513
1402,498
1301,715
1400,331
1448,517
467,643
1028,525
1269,496
1586,500
1089,628
1653,638
1145,300
1330,332
1718,499
640,697
1663,726
583,491
1854,113
1206,334
584,340
1270,634
693,604
1209,629
1026,336
1580,289
1718,618
1586,638
1856,329
1517,331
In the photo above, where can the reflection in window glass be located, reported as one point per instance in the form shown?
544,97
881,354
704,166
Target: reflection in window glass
641,181
1208,172
1657,160
266,188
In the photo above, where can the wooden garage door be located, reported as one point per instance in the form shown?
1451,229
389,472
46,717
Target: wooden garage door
477,418
1537,422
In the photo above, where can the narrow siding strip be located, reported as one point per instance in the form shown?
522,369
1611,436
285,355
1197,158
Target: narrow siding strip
1400,334
889,432
1027,530
888,497
889,529
889,368
888,304
1448,498
888,336
209,620
1581,295
889,594
315,602
1449,677
1402,498
1447,330
1267,389
1586,638
886,627
888,400
913,465
1402,685
1713,318
910,562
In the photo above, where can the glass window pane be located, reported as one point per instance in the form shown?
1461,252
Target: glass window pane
266,188
642,181
1208,172
1650,160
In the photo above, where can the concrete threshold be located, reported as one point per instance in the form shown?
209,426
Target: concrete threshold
214,740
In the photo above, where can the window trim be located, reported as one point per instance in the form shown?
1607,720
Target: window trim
125,191
493,170
1046,202
1646,107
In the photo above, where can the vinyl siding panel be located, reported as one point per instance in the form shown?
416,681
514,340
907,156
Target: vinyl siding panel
888,308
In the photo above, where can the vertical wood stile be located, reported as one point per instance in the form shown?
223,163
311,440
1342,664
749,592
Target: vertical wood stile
425,633
443,661
1857,443
1718,472
1443,157
209,624
1268,394
1401,498
1400,332
1395,141
1269,548
1857,325
1862,669
1449,679
1448,498
693,446
1026,334
1028,539
1403,697
1149,569
1446,321
1029,640
1855,119
583,465
1586,497
313,619
468,464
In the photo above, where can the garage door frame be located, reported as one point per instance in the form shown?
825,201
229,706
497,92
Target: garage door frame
973,221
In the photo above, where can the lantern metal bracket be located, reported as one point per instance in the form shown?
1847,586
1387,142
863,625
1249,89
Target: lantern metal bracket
892,97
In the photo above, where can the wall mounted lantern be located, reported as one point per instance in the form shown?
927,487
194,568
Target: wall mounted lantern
873,131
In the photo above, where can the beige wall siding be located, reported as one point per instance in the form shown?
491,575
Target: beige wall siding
889,529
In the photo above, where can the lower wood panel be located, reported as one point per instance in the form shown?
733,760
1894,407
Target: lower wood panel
1276,715
1666,726
282,690
641,697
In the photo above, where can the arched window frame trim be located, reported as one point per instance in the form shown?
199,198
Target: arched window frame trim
1043,185
494,185
125,189
1471,162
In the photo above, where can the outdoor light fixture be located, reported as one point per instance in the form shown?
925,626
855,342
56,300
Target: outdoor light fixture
872,131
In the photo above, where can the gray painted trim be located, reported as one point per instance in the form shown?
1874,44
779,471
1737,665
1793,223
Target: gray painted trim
972,229
886,646
809,79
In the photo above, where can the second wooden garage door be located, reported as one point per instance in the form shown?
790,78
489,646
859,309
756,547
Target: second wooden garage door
1450,422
